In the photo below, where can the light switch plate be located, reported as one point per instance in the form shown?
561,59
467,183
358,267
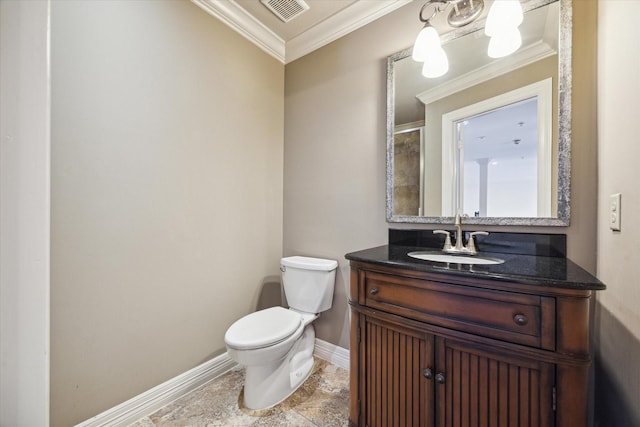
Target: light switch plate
614,211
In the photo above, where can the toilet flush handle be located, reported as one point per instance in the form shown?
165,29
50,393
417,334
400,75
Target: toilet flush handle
283,268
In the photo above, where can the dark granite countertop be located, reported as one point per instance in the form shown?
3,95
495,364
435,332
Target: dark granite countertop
528,269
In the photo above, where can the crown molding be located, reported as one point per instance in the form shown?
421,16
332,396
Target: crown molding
350,19
231,14
338,25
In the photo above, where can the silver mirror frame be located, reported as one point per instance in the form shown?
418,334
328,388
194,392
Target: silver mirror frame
564,128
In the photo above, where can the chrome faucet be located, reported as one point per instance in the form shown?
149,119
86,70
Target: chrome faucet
459,248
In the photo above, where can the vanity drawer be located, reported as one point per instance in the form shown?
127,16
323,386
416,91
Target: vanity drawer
515,317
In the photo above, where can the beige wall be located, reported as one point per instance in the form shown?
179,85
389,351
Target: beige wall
24,213
617,316
167,148
335,109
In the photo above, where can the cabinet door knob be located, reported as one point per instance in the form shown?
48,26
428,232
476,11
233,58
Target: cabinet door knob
440,379
520,319
373,291
428,374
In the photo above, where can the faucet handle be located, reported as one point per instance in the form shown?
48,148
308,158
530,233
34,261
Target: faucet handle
471,244
447,239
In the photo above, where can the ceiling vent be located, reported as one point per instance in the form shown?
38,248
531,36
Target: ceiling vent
286,10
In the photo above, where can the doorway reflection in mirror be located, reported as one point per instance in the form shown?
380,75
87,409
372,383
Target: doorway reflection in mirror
499,174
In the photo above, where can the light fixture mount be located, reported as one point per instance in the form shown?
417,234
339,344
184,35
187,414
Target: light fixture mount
463,12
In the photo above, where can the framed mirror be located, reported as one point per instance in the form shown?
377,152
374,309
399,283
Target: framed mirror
491,138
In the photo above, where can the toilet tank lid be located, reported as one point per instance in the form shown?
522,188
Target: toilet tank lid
308,263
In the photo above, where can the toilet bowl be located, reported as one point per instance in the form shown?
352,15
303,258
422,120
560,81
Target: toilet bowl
276,344
274,369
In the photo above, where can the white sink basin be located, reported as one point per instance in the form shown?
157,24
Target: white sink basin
457,259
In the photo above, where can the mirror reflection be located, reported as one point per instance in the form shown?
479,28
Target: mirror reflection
487,139
499,176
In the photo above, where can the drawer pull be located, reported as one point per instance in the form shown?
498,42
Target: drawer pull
520,319
428,374
373,291
440,379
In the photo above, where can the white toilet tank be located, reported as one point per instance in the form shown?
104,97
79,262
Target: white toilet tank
308,282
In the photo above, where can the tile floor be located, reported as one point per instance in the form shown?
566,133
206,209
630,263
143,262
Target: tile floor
322,401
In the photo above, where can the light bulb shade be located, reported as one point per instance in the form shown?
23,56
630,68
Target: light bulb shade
504,43
427,41
503,16
436,64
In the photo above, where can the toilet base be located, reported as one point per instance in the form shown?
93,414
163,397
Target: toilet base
268,385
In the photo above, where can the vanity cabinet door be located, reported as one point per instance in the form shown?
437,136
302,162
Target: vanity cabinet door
409,377
478,386
396,376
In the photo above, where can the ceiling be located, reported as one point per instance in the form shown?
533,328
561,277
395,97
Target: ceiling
324,22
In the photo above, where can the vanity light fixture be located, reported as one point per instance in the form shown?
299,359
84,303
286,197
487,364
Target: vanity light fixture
501,26
429,51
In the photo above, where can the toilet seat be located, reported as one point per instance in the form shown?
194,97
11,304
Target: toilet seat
263,328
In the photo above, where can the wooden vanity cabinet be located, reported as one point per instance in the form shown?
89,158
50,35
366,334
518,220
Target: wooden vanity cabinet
443,350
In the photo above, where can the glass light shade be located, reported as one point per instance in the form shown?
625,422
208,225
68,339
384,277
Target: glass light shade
503,15
427,41
504,43
436,64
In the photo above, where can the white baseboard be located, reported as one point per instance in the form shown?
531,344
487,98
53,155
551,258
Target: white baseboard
332,353
150,401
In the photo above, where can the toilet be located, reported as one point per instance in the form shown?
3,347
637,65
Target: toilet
276,344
